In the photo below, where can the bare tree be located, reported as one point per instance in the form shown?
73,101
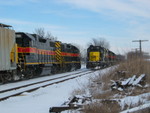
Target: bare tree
49,35
41,32
100,42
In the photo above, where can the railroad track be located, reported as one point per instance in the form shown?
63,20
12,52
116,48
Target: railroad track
15,91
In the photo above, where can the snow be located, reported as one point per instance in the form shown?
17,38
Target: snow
138,79
132,80
42,99
39,101
125,82
30,81
134,100
137,108
33,86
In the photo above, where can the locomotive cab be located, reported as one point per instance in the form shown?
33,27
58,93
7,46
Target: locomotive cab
26,43
95,56
24,39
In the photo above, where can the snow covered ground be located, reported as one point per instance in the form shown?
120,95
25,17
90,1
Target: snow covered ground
134,101
42,99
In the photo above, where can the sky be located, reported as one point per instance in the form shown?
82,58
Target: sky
78,21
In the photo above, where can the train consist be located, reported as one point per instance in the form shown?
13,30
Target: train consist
25,55
98,56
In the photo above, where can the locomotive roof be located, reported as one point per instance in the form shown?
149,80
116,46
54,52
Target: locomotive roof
93,46
4,25
30,36
27,34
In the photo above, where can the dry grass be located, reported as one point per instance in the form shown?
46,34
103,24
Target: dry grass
103,107
130,68
138,91
149,98
126,70
143,111
99,87
105,79
136,66
109,94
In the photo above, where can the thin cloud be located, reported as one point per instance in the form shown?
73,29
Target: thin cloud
63,13
13,21
129,7
31,24
17,2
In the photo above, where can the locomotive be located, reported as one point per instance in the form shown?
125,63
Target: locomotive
25,55
98,56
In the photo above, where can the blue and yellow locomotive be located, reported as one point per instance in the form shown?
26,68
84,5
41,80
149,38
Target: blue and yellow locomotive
98,56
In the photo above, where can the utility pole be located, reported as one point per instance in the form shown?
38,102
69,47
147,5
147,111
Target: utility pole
140,44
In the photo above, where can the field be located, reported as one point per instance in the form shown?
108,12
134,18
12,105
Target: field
114,91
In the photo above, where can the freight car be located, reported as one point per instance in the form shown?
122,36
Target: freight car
25,55
8,55
98,56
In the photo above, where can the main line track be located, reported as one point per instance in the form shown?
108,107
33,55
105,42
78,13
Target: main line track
15,91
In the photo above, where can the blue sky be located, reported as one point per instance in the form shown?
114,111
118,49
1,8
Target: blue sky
78,21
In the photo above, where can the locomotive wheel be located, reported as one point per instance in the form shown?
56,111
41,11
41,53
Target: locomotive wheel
29,74
37,71
64,68
2,79
79,66
16,76
69,67
53,70
5,78
73,67
87,66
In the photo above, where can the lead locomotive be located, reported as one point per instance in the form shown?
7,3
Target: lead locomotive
25,55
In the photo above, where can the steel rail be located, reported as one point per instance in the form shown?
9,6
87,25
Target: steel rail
48,84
